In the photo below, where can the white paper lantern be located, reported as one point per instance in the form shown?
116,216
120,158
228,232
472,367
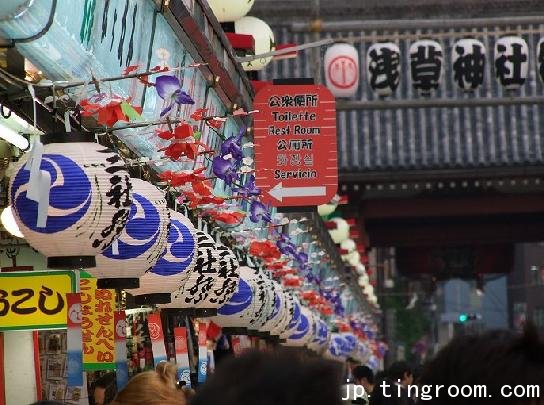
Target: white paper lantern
285,314
336,348
75,203
342,70
140,245
278,311
264,40
540,58
511,62
214,278
240,309
383,68
265,298
468,63
230,10
321,336
426,60
351,346
172,270
293,315
341,233
303,332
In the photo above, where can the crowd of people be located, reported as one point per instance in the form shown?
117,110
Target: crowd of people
288,377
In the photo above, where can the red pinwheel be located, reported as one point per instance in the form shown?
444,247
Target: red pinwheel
215,122
108,109
181,178
229,218
199,114
292,281
188,149
265,249
196,200
182,131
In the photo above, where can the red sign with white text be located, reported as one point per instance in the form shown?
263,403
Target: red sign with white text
295,145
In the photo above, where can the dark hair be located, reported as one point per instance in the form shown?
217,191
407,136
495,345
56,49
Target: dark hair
493,359
361,372
272,378
398,369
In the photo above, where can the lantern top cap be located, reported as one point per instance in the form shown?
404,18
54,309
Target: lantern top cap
67,137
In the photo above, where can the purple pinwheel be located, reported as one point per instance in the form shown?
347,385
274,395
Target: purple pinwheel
233,146
225,169
258,212
169,89
301,258
285,246
249,189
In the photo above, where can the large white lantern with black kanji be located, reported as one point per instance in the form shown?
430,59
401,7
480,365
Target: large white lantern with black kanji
426,60
511,62
240,309
468,63
264,40
214,278
283,317
267,297
231,10
342,70
540,58
303,333
383,68
277,310
71,198
140,245
294,315
172,270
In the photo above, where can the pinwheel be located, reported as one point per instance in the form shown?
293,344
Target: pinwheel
169,89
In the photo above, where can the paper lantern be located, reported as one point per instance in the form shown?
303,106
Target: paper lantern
511,62
342,70
266,301
172,270
293,315
336,348
321,336
426,60
214,278
230,10
351,344
278,310
302,334
240,309
468,63
264,40
540,58
383,68
140,244
286,309
71,199
341,233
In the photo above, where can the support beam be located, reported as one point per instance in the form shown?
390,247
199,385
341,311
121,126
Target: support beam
437,103
417,24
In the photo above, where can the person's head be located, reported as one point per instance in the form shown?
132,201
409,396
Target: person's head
363,375
270,378
104,389
401,372
496,360
149,388
168,371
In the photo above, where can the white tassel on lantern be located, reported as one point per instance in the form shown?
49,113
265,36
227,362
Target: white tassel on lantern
88,204
232,10
140,245
264,40
341,64
172,270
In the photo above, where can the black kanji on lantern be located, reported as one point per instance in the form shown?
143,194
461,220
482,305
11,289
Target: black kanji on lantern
508,67
384,68
426,66
469,67
541,60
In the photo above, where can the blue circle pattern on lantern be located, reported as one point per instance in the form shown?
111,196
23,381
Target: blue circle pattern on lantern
143,226
179,251
337,346
240,301
322,333
296,316
70,194
303,328
351,342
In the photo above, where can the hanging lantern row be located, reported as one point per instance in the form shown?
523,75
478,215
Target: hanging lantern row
383,68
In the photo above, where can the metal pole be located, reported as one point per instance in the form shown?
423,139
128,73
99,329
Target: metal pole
440,24
437,103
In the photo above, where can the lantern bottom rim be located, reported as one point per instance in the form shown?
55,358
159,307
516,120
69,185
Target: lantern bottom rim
234,330
118,283
71,262
153,299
